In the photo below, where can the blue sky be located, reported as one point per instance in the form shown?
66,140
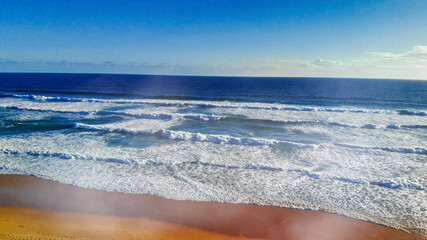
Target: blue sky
379,39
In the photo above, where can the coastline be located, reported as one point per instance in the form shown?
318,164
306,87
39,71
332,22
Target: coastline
39,197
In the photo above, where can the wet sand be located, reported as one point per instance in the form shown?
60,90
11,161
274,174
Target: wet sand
41,208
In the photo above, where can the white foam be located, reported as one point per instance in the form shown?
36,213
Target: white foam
202,117
62,155
332,119
144,127
418,150
64,107
137,126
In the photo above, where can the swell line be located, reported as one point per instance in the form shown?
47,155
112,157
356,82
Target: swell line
123,95
204,117
221,104
226,139
197,137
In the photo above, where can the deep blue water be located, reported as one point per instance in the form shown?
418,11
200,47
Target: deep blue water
369,93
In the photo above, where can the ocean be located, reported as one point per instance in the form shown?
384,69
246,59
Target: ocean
354,147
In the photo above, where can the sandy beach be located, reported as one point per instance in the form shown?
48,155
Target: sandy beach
28,223
33,207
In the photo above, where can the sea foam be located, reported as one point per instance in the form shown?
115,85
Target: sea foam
180,135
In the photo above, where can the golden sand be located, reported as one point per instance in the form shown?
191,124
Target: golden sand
26,223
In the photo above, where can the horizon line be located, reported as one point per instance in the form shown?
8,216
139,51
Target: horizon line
213,76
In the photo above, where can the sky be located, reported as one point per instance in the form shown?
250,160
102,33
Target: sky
304,38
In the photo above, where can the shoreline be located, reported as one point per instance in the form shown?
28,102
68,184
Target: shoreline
220,219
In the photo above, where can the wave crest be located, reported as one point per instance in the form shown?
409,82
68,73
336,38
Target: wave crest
197,137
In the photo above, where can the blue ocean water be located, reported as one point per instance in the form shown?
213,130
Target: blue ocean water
351,146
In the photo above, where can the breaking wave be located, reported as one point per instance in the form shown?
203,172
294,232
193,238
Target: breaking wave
198,137
416,150
220,104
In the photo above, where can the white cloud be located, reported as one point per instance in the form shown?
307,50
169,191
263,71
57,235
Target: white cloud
417,53
327,63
